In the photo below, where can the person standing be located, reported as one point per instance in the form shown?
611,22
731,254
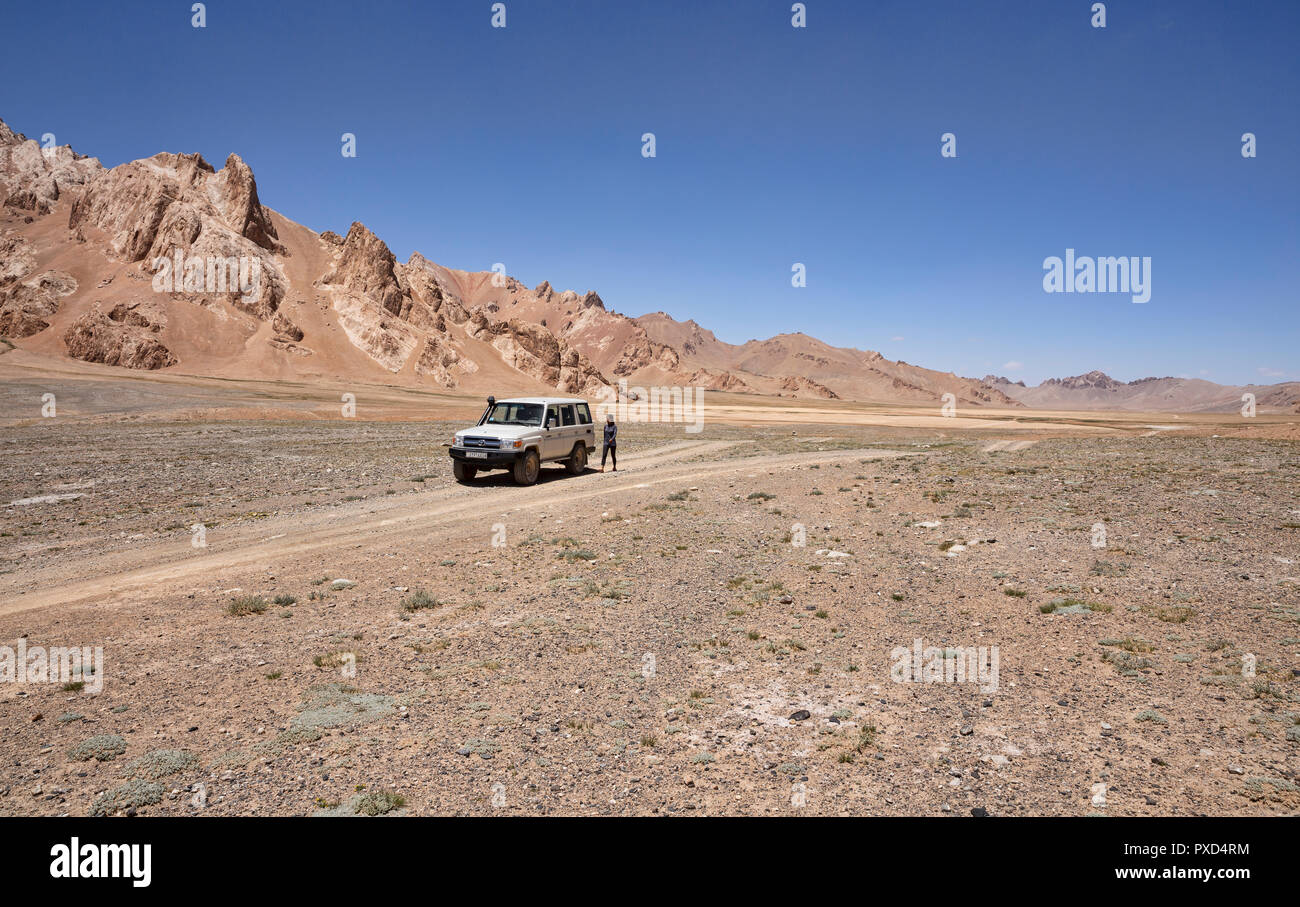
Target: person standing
611,443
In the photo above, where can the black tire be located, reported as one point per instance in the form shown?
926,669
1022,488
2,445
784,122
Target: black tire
527,467
577,461
462,472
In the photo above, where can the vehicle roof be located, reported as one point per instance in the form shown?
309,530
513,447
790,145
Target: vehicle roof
543,400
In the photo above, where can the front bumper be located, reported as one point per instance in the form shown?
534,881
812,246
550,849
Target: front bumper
487,459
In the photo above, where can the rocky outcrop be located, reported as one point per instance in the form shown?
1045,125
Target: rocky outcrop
365,266
27,305
124,337
375,331
442,364
800,386
170,204
997,381
285,330
1092,380
537,352
33,178
642,352
236,199
430,304
17,258
718,381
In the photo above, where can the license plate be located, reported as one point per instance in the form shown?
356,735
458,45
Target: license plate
476,454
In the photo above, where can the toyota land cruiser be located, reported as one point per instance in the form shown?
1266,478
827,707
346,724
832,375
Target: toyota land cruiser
520,435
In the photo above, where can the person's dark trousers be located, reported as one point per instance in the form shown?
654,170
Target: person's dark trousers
612,451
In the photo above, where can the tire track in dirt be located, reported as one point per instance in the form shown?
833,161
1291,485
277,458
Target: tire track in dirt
384,526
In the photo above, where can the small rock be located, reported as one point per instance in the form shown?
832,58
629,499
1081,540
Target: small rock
801,715
979,812
1236,770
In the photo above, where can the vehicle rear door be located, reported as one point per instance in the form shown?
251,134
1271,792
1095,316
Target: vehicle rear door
552,433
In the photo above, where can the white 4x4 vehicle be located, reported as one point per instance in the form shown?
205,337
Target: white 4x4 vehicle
522,434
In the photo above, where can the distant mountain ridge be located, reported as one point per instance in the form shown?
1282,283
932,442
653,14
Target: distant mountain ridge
1097,390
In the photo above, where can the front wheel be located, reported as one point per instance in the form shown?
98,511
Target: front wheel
578,461
527,467
462,472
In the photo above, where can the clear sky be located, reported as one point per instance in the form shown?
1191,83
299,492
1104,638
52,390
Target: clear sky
774,145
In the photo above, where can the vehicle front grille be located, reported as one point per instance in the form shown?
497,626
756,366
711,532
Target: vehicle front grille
480,443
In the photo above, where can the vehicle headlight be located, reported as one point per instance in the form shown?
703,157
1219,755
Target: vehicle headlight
511,445
455,440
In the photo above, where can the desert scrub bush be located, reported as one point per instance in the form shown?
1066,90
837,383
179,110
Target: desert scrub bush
1073,606
579,554
133,794
1014,593
284,600
1171,614
158,764
247,604
1128,644
335,659
377,803
1109,568
680,496
370,803
101,748
1151,715
419,600
1125,662
759,496
336,704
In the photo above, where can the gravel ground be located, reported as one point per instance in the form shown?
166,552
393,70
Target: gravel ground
711,630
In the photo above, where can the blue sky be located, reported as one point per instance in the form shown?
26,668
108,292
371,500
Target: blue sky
775,145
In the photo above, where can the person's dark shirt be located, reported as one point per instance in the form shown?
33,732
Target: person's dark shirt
611,433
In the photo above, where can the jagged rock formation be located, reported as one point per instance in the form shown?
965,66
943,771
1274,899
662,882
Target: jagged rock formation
32,178
176,204
365,266
535,351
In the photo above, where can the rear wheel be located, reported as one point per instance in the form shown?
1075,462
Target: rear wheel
578,461
527,467
463,472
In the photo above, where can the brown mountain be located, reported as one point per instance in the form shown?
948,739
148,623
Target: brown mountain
168,263
1097,390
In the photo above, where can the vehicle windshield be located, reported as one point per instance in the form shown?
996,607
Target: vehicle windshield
516,414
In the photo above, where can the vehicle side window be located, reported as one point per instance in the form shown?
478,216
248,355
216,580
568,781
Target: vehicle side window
584,414
552,417
567,412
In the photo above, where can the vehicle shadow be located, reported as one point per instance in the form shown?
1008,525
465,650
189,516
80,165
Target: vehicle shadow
544,476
